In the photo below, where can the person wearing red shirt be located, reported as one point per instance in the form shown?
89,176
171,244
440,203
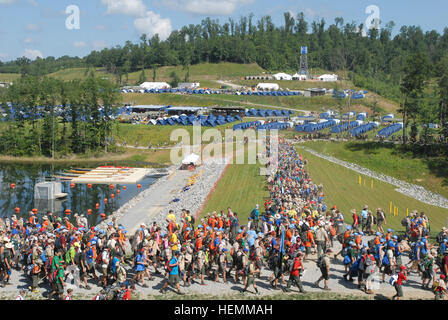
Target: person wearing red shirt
295,273
398,284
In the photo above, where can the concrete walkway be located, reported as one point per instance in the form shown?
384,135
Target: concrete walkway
156,200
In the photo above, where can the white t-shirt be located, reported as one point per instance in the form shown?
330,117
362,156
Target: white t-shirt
105,258
20,297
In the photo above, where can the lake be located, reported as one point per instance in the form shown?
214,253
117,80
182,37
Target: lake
79,199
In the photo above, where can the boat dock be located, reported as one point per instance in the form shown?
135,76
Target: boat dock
111,175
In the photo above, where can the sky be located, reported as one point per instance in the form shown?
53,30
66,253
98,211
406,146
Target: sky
42,28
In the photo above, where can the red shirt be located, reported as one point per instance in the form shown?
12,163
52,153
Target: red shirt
296,267
401,277
127,295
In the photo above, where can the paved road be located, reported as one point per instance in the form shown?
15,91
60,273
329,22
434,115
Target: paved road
156,198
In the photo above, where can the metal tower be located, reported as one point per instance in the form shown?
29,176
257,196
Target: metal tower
304,61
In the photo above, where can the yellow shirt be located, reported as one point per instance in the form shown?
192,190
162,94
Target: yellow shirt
171,217
173,241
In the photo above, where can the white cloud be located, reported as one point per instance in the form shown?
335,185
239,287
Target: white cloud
79,44
32,54
208,7
127,7
7,1
100,27
34,27
3,56
99,44
152,24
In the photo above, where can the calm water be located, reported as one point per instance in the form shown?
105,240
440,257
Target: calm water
79,199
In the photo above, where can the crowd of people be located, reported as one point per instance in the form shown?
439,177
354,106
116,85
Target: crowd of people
293,227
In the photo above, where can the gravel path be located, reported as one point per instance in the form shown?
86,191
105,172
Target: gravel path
412,288
408,189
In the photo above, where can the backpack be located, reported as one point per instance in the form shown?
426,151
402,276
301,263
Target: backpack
193,220
369,260
332,231
440,237
252,214
404,222
290,265
340,238
246,269
393,279
320,262
167,266
239,261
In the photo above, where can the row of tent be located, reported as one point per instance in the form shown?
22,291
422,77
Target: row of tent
355,94
363,129
311,127
262,125
330,115
386,132
206,121
268,113
269,93
346,126
174,90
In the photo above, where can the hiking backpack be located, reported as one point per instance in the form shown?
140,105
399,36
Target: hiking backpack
393,279
404,222
320,262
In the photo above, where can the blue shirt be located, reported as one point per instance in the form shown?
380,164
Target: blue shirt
114,264
89,256
364,214
175,269
140,266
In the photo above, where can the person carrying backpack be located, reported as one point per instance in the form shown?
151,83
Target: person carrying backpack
428,273
250,271
295,273
323,263
173,274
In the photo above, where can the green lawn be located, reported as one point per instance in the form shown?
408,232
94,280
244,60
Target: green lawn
341,188
390,160
200,72
8,77
240,189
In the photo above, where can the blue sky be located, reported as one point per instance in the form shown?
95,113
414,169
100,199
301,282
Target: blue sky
38,27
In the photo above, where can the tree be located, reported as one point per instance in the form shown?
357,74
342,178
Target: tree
174,79
142,78
416,72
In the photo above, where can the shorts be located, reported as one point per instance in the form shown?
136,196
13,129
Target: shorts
399,290
380,223
308,250
173,279
387,270
250,280
324,273
104,271
153,259
59,288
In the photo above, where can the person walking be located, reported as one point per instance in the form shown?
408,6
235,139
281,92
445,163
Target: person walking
295,274
250,271
398,284
173,274
324,266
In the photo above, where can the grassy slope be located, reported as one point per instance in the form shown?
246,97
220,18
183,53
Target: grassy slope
202,71
386,159
8,77
240,189
341,188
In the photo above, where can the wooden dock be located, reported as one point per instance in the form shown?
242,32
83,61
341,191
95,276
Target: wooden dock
112,175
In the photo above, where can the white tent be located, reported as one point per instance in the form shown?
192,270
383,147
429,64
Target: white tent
268,86
152,121
282,76
155,85
299,77
328,77
191,158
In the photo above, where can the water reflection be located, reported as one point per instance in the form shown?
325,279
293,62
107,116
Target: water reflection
79,199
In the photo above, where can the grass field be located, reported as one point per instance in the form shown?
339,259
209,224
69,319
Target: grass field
390,160
8,77
342,189
240,189
200,72
158,136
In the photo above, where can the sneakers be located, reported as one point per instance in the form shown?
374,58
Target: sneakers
162,291
316,284
327,289
181,293
88,287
